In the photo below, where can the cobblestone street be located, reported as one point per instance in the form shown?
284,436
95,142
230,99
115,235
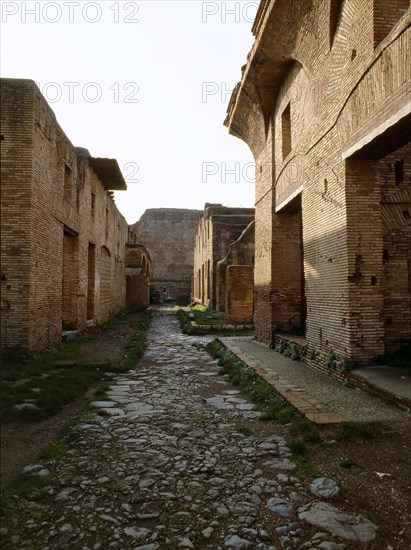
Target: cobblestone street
163,465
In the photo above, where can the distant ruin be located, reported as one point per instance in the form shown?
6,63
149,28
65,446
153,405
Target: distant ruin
219,227
169,236
139,271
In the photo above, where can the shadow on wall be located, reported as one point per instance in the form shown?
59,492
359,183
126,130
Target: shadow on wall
358,297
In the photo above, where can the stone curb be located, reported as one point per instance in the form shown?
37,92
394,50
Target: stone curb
307,405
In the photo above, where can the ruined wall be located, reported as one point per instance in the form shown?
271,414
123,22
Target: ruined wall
323,113
218,227
240,253
63,207
169,235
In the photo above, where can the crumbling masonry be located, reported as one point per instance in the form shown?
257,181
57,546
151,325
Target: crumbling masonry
168,234
219,226
324,105
139,270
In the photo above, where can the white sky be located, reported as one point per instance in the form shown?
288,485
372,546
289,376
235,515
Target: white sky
179,58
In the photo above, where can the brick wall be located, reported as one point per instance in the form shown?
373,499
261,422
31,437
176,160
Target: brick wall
47,283
323,104
386,14
240,253
240,293
264,205
395,175
16,198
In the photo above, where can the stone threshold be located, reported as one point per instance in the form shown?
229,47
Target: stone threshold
360,380
306,404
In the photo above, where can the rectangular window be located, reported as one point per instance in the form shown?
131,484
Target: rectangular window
107,222
68,181
286,131
93,204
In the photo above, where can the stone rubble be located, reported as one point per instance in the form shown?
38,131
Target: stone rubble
161,465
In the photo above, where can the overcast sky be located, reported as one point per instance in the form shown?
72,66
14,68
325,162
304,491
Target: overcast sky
145,82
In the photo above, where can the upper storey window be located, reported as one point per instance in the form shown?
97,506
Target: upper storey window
68,181
286,131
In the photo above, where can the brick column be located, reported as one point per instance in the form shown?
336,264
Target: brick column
365,260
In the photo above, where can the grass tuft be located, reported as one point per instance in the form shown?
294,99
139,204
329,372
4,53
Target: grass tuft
297,447
245,430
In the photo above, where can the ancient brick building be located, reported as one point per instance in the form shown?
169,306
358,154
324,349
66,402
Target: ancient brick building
169,234
63,239
235,278
139,270
324,105
218,227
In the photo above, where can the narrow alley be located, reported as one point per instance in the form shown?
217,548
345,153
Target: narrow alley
163,464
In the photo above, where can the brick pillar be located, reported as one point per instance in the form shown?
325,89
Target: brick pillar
221,284
263,267
365,260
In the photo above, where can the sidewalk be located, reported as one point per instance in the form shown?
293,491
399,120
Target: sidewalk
317,396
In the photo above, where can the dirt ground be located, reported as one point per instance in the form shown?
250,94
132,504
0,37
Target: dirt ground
22,442
378,484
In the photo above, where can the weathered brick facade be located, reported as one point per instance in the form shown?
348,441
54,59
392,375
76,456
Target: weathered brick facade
169,234
63,239
218,227
235,278
324,105
139,270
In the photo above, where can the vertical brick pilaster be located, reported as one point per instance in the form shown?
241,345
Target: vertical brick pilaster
365,260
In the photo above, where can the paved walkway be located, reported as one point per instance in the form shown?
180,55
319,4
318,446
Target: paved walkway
163,463
318,396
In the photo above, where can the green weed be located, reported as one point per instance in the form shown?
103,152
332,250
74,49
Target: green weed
297,447
58,376
351,430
